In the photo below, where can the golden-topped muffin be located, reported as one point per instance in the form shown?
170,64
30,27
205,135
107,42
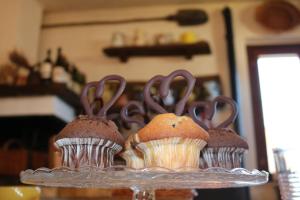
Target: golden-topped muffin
171,141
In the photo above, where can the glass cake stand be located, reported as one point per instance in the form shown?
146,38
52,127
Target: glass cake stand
144,182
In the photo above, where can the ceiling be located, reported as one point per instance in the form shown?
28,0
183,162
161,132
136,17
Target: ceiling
60,5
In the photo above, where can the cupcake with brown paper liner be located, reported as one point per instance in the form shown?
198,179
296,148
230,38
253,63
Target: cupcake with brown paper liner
92,140
132,156
170,140
225,148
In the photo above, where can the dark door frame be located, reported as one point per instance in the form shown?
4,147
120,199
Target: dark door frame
253,54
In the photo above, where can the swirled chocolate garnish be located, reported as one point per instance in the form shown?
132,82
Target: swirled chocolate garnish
165,88
165,82
139,110
89,107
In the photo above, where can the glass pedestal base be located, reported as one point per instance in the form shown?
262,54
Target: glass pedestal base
143,194
144,181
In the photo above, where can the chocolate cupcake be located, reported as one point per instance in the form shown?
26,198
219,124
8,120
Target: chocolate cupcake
92,140
170,140
132,156
225,148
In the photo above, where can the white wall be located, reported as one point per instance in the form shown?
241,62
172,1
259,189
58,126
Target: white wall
83,45
20,28
248,32
8,28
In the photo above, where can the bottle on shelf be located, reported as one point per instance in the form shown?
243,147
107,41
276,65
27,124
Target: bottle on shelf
68,68
59,73
35,76
46,69
81,80
76,80
70,76
22,67
22,76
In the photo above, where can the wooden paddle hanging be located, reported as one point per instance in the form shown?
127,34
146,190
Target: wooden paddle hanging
186,17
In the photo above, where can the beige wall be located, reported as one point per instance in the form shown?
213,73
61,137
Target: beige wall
8,28
248,32
20,20
83,45
20,27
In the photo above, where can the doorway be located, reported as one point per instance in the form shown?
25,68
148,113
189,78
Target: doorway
275,85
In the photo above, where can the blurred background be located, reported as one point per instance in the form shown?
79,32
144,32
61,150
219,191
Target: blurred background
246,49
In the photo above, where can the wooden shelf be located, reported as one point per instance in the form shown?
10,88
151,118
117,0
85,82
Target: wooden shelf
186,50
59,90
39,100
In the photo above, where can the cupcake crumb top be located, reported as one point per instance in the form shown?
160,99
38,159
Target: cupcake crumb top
84,127
169,125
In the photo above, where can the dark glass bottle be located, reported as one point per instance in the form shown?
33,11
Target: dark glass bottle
83,79
46,69
59,74
35,76
76,79
68,68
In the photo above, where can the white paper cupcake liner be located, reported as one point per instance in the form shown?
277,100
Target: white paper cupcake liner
225,157
80,152
133,159
172,153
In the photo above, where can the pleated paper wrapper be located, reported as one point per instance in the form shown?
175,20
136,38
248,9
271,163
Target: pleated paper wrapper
81,152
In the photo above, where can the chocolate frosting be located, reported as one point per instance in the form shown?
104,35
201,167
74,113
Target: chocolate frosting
213,109
192,112
125,113
220,135
225,137
147,94
85,127
210,108
89,107
165,88
100,91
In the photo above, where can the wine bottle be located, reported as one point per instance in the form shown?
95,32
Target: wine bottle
75,84
46,69
70,76
59,69
67,66
81,80
35,76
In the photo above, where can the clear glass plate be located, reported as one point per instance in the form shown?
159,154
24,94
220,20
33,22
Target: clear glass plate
148,178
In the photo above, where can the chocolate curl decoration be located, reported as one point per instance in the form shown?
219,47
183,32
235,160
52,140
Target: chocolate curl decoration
116,117
165,87
94,105
125,113
147,94
112,116
213,109
88,106
100,90
192,112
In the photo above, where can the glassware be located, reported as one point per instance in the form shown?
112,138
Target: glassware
145,181
288,170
